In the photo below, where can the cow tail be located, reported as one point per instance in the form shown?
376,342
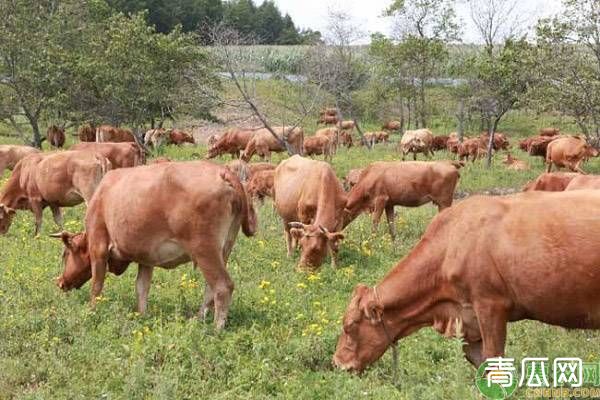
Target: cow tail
249,220
103,166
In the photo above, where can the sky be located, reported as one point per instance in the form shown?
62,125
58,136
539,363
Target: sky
313,14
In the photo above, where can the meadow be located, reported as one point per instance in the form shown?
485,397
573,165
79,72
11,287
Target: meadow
283,324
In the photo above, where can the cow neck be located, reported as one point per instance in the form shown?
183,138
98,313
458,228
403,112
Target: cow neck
9,196
329,210
413,295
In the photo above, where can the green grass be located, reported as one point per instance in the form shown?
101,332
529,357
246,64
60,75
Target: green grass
282,326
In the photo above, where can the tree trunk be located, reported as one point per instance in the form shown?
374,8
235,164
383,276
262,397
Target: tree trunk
461,119
409,114
33,121
423,113
401,116
490,147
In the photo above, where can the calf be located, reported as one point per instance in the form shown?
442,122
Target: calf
10,155
55,136
333,134
550,182
346,125
418,141
120,155
465,277
166,231
260,184
471,148
310,200
178,137
233,141
568,152
383,185
317,145
391,126
52,180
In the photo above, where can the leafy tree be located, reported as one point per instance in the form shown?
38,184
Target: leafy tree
270,22
423,28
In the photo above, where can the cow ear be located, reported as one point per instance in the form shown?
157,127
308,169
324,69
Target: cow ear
373,311
297,232
66,237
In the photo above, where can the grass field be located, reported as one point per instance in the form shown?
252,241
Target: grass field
282,326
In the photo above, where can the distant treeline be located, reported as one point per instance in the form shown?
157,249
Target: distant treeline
264,23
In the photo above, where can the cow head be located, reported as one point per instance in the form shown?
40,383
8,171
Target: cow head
76,261
314,240
590,151
213,151
363,339
6,216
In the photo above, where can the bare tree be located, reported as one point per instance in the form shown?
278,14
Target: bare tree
299,97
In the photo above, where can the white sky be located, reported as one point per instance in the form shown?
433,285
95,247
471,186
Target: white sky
313,13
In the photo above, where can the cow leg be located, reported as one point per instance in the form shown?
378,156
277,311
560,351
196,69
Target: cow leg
577,168
142,286
215,273
414,156
492,325
472,352
548,166
288,240
99,258
403,155
378,210
389,214
209,302
38,212
57,215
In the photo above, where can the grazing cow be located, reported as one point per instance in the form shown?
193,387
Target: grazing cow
260,184
439,143
582,182
524,144
120,155
155,137
471,147
466,278
86,133
352,178
53,180
212,140
55,136
195,214
418,141
244,170
328,119
233,141
500,141
329,111
10,155
383,185
514,163
107,133
392,126
376,137
178,137
569,152
549,131
538,145
551,182
334,135
263,142
346,125
453,144
310,199
317,145
345,139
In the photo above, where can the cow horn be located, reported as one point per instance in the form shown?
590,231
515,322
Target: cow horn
58,235
323,229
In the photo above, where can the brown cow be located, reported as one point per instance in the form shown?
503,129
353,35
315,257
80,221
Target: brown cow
329,111
334,135
346,125
53,180
328,119
500,141
232,141
260,184
120,155
383,185
55,136
453,144
107,133
346,139
538,145
439,143
582,182
568,152
418,141
178,137
263,142
551,182
465,277
514,163
195,214
212,140
10,155
317,145
310,199
352,178
471,147
392,126
244,170
86,133
549,131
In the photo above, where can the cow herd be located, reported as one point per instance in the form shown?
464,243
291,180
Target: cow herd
480,264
